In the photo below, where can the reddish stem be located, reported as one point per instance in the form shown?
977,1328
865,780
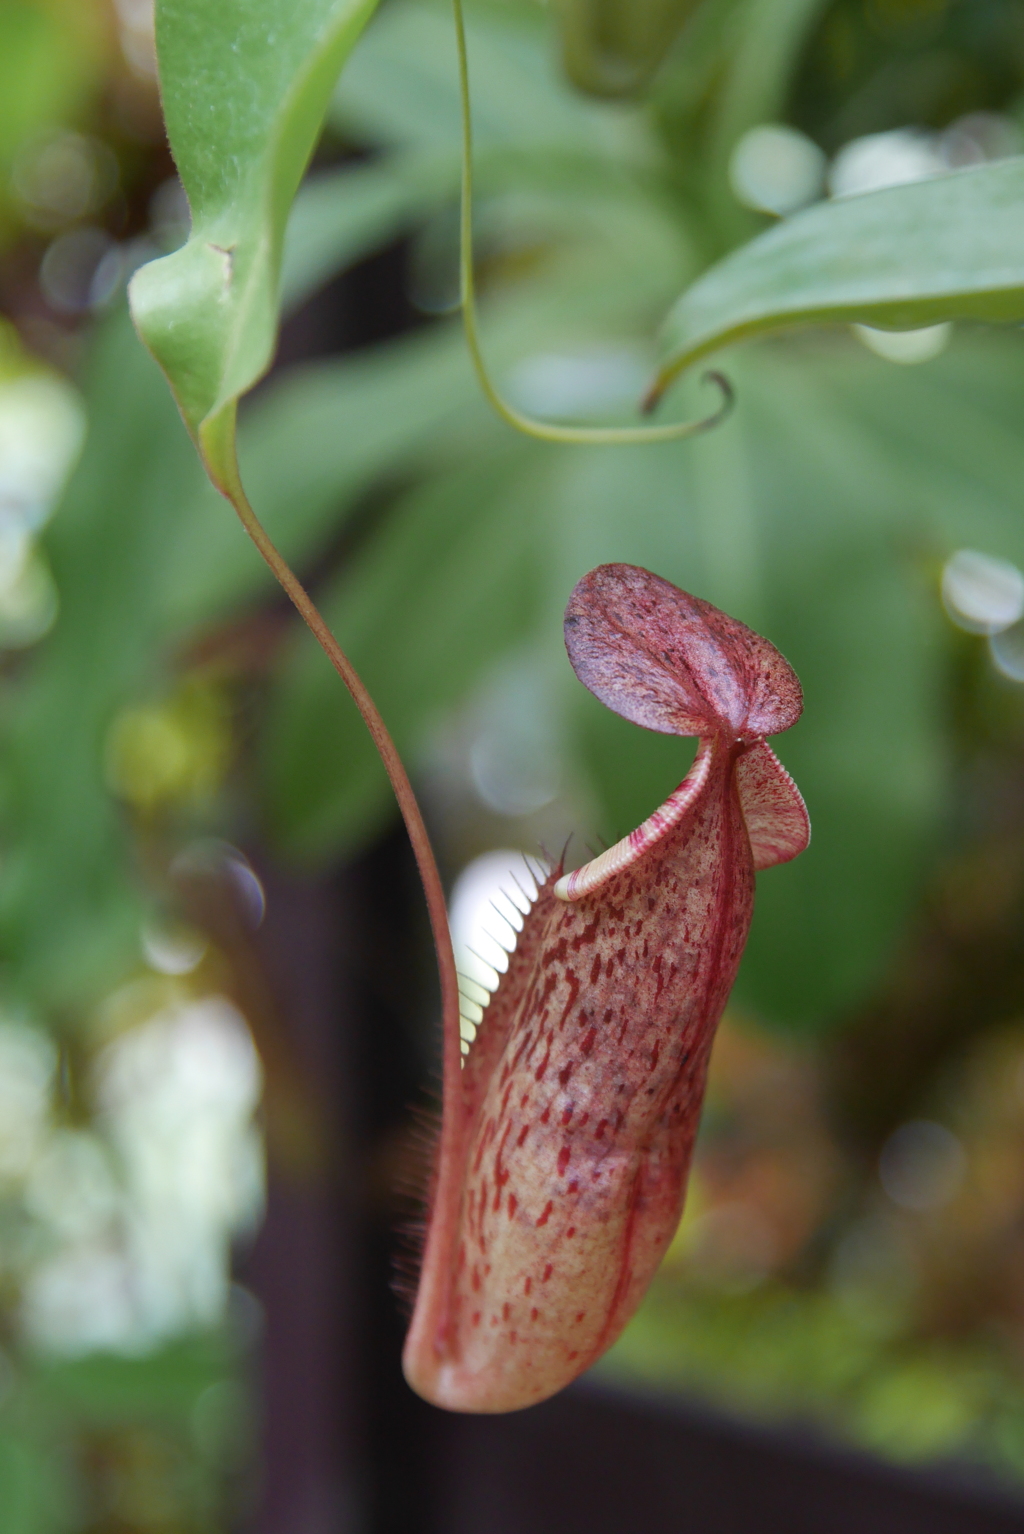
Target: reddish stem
223,469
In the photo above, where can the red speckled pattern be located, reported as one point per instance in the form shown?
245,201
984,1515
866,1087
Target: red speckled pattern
581,1093
773,810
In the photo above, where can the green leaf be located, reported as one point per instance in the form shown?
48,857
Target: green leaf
404,91
948,248
732,70
343,215
318,436
52,60
766,41
69,913
317,439
448,585
245,85
614,47
36,1491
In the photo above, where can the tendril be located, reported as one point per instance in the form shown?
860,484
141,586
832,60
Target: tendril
544,431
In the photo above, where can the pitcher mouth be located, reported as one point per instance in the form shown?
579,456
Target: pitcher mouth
591,876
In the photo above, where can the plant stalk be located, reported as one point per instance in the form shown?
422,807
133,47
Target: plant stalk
217,444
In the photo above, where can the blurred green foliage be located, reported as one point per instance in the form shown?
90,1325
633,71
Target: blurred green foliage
442,549
116,1443
55,54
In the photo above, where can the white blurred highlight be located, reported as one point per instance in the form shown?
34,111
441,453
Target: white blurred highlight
906,346
555,385
172,950
776,169
982,594
885,159
42,425
514,759
141,1211
27,1064
1007,651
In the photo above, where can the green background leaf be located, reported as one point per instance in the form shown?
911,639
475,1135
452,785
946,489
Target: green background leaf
245,86
951,247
